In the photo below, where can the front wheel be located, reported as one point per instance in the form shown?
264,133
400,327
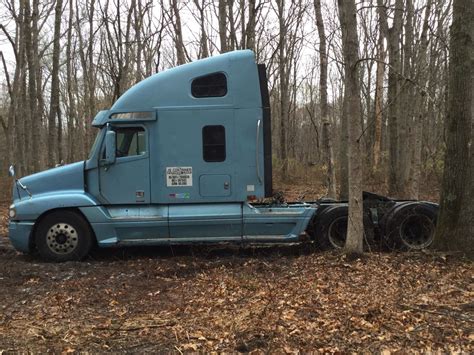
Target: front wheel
330,230
63,236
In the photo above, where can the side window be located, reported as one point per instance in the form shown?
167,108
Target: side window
213,143
130,141
212,85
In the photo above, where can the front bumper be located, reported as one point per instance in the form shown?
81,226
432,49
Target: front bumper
19,234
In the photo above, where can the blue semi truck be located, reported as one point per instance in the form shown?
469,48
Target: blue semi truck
179,158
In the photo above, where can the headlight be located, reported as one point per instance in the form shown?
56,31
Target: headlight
12,211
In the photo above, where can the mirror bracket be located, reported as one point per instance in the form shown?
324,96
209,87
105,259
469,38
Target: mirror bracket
11,171
18,183
110,146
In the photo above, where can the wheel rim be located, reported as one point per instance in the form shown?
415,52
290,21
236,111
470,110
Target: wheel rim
337,232
417,231
62,238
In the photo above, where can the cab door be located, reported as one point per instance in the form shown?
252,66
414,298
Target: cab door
127,181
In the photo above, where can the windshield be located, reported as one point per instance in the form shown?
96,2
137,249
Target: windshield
94,146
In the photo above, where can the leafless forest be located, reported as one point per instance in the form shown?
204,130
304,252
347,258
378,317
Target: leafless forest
373,94
62,61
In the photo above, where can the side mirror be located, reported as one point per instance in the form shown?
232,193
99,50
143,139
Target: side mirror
110,147
11,171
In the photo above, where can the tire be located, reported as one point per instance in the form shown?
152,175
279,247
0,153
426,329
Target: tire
411,226
63,236
330,230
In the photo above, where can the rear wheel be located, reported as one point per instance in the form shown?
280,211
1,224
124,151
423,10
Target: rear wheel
411,227
63,236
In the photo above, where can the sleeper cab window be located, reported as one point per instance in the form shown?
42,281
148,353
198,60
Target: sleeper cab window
130,141
213,143
211,85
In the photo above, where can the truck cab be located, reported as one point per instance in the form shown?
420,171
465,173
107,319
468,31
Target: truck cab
178,158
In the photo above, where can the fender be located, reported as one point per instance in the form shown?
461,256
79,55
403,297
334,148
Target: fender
29,209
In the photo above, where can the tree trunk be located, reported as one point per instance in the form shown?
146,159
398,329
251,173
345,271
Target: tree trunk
71,112
405,120
203,46
455,229
250,28
323,88
15,98
344,150
382,14
138,24
419,107
178,37
53,148
7,123
232,32
34,118
350,48
393,97
223,25
284,89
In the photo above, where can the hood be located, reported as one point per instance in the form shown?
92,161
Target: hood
67,177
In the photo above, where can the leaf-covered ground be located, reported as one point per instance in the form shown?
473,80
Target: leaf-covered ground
230,299
226,298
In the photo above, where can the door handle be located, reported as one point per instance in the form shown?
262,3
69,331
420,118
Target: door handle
257,150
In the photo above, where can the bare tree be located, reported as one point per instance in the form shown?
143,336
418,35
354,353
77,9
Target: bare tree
421,78
323,87
71,111
88,67
250,27
222,17
203,45
350,46
394,93
406,103
344,148
455,229
178,33
55,150
284,75
378,115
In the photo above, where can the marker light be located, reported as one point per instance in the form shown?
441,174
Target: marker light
12,211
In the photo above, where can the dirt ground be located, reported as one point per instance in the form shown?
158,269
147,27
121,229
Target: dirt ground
236,299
